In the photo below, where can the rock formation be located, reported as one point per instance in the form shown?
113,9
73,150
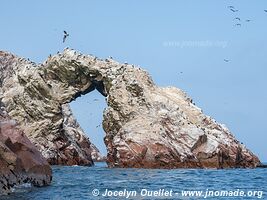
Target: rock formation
20,161
146,125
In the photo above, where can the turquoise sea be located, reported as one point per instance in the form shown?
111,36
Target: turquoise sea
78,182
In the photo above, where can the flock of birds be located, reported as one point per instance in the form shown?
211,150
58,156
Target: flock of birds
232,8
238,21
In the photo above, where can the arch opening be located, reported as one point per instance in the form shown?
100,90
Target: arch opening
88,111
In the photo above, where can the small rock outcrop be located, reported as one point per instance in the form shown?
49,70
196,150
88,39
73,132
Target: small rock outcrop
20,161
146,126
96,155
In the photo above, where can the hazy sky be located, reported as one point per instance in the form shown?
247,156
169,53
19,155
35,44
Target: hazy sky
165,38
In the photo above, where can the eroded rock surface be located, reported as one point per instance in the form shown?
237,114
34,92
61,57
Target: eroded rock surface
20,161
146,125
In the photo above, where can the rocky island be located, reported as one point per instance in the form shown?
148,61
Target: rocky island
146,126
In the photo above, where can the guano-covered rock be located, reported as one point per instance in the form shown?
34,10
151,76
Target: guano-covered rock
146,126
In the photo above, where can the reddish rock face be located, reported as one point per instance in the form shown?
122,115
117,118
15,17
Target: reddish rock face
20,162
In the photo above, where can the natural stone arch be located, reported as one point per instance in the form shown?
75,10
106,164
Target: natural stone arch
145,125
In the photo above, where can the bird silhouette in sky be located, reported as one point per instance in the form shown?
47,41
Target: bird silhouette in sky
238,24
233,10
226,60
265,10
237,18
65,36
232,7
248,20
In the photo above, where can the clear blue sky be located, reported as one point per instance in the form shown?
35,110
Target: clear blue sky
166,38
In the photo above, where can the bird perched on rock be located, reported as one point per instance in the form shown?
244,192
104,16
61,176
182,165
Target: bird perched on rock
65,36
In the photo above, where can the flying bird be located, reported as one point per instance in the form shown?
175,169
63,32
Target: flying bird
226,60
65,36
237,24
248,20
237,18
231,7
233,10
265,10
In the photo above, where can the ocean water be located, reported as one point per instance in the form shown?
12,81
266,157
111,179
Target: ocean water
78,182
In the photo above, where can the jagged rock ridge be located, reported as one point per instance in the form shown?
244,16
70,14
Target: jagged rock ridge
146,125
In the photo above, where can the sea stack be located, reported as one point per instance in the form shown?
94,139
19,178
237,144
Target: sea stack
146,126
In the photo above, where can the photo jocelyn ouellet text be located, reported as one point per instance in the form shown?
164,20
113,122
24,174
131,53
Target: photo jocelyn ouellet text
208,193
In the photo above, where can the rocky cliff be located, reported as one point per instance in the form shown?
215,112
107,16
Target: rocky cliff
146,125
20,161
